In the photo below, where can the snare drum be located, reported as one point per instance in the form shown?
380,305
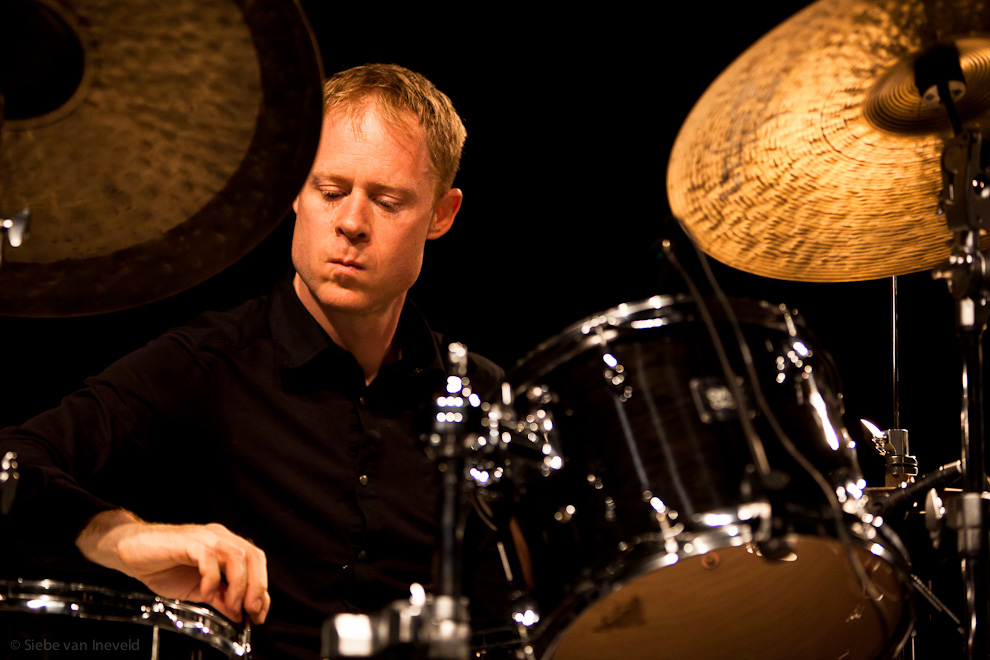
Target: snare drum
656,539
49,619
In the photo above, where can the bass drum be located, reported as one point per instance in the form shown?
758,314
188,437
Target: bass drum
657,538
51,619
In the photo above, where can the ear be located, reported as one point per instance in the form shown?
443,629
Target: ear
443,216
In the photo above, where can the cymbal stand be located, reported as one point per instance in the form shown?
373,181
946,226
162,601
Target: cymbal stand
965,203
900,466
449,424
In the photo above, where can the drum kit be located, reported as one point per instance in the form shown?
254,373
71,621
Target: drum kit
670,478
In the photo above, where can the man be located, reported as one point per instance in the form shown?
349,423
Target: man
292,416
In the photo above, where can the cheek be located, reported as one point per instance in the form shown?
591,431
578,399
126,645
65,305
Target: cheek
302,242
411,263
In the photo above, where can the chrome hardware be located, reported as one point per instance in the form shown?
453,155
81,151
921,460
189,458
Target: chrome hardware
510,442
8,481
892,444
14,230
525,612
423,621
934,517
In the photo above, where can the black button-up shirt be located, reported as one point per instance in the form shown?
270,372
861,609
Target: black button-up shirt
255,419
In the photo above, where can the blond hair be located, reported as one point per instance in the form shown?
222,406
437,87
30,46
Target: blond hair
397,91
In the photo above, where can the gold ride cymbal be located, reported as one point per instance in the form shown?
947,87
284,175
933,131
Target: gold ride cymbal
812,156
183,133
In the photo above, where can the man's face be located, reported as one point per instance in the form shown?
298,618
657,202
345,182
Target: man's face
365,214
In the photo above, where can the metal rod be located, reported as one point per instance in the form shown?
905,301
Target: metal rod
972,523
974,466
895,365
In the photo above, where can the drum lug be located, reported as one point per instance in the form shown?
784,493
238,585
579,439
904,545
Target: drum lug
609,510
615,377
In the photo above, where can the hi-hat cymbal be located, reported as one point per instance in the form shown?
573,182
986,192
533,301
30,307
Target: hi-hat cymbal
812,156
162,143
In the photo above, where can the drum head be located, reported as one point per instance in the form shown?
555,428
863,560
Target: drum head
731,603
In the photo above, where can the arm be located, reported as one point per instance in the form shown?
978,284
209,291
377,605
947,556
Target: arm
185,562
135,405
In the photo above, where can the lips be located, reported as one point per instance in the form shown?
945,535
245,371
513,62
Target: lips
346,263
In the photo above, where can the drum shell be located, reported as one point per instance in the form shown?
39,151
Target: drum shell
648,424
657,465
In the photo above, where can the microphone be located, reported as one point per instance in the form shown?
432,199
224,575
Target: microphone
901,498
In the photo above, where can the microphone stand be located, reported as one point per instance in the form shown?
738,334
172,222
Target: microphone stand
436,626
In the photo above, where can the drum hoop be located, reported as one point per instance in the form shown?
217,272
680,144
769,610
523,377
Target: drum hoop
77,600
656,311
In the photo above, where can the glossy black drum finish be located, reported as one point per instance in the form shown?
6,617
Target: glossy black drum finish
656,539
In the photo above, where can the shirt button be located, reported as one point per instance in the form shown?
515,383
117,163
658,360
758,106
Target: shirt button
363,480
363,401
362,555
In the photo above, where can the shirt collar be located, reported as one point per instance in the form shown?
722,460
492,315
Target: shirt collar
299,338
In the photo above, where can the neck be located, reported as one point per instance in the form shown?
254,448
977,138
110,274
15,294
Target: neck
370,337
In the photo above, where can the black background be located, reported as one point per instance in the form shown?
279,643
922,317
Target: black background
571,115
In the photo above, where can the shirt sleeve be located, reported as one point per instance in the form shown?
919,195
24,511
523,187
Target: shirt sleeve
67,456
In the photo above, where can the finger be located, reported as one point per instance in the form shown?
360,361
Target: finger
219,603
233,561
266,604
209,570
256,598
212,590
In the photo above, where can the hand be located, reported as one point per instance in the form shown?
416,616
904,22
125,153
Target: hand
185,562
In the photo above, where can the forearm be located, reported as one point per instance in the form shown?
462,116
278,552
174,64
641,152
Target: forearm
99,540
204,563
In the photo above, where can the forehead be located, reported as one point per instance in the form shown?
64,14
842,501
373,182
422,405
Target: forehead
364,129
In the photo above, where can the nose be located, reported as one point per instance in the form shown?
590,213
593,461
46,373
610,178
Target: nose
354,220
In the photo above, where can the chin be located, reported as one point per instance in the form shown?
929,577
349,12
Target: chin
346,303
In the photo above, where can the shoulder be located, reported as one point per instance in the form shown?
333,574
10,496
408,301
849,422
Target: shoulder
236,327
186,352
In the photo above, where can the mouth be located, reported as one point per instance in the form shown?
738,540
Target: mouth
347,264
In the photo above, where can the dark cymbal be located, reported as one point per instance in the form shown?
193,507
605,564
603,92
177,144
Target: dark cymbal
812,156
170,152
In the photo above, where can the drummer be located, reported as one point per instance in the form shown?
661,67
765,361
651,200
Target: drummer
265,460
